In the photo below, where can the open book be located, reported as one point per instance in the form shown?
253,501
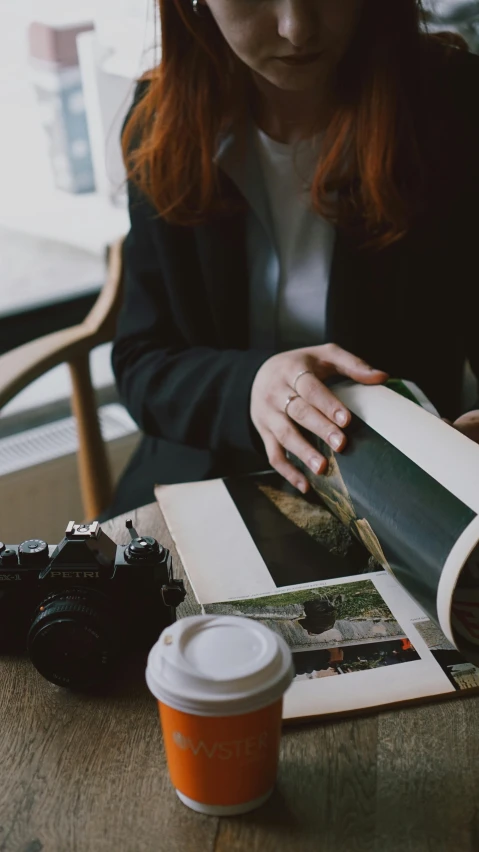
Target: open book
372,578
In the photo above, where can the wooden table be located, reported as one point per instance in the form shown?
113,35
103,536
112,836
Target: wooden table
83,774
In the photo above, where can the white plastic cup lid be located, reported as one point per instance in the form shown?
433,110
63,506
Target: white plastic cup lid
212,665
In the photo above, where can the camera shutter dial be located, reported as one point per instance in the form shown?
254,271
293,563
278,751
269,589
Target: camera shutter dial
33,552
142,548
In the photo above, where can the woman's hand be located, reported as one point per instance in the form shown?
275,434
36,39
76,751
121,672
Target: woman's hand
298,375
468,424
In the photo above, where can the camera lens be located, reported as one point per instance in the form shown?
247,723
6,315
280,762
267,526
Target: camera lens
71,641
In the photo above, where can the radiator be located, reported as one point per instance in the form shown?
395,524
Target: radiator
39,487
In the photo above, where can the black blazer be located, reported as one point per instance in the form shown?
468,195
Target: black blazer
181,357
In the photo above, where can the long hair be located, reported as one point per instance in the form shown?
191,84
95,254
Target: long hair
369,176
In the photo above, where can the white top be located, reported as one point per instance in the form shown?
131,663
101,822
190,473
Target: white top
304,240
219,666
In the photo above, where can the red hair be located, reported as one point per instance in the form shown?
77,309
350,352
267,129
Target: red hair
200,88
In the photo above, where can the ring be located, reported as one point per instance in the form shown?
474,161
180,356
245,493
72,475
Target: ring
290,399
302,373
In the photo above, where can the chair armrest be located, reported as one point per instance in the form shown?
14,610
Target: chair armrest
21,366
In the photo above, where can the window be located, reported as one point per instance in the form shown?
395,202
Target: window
458,16
53,232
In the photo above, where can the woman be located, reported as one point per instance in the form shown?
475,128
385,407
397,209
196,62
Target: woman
303,182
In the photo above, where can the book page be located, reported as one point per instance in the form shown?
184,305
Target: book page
253,546
253,534
358,644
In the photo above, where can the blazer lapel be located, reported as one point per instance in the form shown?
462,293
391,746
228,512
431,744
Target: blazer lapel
221,246
222,242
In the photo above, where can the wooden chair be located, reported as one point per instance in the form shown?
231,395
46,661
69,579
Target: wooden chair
21,366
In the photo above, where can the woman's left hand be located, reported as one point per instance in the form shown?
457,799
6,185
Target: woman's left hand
468,424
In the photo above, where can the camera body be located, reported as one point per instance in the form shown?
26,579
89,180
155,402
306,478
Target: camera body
78,606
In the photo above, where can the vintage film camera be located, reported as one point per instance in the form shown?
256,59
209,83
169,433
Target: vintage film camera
78,606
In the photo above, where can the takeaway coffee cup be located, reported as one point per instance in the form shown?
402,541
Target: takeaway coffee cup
219,682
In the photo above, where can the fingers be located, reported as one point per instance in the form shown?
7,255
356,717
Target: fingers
470,418
278,461
318,409
315,394
284,436
315,420
315,407
347,364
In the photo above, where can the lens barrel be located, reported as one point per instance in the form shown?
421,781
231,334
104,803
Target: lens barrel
72,640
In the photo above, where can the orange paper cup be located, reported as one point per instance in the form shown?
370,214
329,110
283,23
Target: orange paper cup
219,682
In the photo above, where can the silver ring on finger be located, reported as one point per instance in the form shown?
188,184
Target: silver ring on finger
301,373
288,401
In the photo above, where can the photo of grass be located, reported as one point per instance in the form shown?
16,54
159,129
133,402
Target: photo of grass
321,617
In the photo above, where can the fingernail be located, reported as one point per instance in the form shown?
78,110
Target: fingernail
315,463
341,418
335,439
302,486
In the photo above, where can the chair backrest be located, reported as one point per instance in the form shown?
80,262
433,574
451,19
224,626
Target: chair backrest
21,366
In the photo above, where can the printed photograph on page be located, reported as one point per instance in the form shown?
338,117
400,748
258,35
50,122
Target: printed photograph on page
332,629
461,673
302,538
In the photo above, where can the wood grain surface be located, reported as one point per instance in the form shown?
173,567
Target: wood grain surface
88,774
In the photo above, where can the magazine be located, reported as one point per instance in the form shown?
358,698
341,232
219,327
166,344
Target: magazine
372,578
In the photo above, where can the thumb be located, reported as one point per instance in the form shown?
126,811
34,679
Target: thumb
346,364
362,372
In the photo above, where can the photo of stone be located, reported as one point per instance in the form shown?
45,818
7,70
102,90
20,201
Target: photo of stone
432,635
322,617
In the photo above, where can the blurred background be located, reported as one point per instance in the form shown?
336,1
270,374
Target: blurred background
67,75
